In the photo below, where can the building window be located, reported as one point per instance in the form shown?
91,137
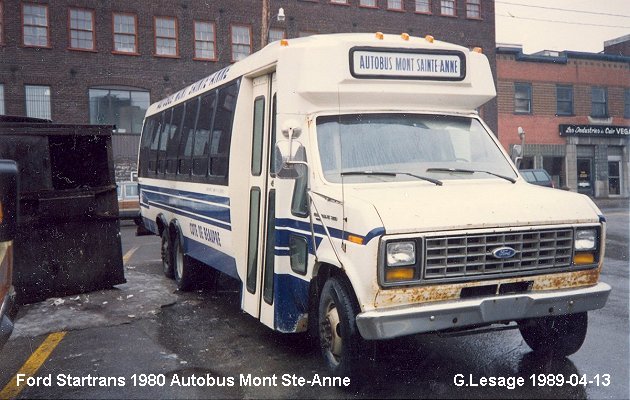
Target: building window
564,100
276,34
599,102
394,5
2,112
166,37
473,9
122,107
306,33
35,25
522,98
241,42
423,6
626,104
37,101
81,29
447,7
339,1
368,3
125,33
204,40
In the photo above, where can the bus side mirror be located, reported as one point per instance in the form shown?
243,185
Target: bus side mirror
289,159
8,199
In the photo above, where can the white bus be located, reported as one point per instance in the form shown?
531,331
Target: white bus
348,182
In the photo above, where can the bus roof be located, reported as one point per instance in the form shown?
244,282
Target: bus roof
348,67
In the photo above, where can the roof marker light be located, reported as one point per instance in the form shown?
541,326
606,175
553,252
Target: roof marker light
404,36
284,42
429,38
478,50
379,35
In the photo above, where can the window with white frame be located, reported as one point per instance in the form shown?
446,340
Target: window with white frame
339,1
423,6
394,5
276,34
125,33
204,40
447,7
166,36
81,29
367,3
35,25
2,112
241,42
37,101
473,9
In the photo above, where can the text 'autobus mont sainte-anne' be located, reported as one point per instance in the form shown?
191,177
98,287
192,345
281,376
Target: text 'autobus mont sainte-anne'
349,184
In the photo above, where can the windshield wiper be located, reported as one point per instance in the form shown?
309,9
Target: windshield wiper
471,171
389,173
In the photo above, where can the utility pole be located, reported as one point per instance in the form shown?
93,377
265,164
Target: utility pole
264,25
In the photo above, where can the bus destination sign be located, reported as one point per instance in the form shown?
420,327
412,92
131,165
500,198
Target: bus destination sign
398,64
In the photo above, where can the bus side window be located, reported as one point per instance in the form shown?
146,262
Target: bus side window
174,138
164,135
222,134
155,143
184,161
202,135
145,143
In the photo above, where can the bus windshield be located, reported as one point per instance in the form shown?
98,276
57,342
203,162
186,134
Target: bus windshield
368,148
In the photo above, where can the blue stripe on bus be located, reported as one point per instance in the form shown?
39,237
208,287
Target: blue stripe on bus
212,257
305,227
191,195
219,213
191,216
290,300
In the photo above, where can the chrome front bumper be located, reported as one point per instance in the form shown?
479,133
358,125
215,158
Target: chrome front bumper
6,325
408,320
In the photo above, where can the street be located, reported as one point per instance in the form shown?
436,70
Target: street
147,340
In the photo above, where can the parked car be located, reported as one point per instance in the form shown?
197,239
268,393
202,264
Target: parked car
129,201
538,177
8,226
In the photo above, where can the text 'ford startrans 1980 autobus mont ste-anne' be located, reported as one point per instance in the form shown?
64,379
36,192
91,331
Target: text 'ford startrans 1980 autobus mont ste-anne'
348,182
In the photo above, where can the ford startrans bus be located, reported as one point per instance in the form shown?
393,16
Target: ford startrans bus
349,184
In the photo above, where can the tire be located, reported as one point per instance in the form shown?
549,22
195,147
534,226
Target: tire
167,255
558,336
184,268
340,341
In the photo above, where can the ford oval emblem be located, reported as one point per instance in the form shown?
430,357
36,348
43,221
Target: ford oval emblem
503,252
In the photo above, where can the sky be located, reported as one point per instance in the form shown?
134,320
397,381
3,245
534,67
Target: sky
578,25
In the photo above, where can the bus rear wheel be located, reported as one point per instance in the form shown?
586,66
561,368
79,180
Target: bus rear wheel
184,269
339,337
560,335
167,256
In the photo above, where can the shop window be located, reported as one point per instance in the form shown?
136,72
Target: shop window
124,108
448,7
423,6
241,42
205,39
599,102
473,9
166,37
37,101
81,29
35,25
564,100
125,33
522,98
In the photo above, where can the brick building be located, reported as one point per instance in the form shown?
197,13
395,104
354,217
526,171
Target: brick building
575,110
85,61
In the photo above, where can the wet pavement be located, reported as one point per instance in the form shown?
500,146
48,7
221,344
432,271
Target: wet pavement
147,340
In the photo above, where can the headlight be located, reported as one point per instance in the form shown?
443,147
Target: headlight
585,239
401,253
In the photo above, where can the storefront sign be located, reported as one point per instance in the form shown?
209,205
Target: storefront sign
594,130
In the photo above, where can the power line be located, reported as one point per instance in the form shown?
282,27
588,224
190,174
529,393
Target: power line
563,22
564,9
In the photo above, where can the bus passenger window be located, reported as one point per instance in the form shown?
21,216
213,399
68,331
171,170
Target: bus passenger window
202,135
164,136
186,144
174,138
222,133
155,143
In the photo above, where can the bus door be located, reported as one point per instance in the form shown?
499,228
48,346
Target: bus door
258,289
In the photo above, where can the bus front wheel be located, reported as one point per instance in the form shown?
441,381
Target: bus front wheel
560,335
339,337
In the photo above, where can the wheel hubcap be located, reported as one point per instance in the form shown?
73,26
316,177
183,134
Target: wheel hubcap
330,332
180,262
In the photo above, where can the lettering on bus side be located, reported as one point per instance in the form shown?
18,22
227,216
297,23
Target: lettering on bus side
205,233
